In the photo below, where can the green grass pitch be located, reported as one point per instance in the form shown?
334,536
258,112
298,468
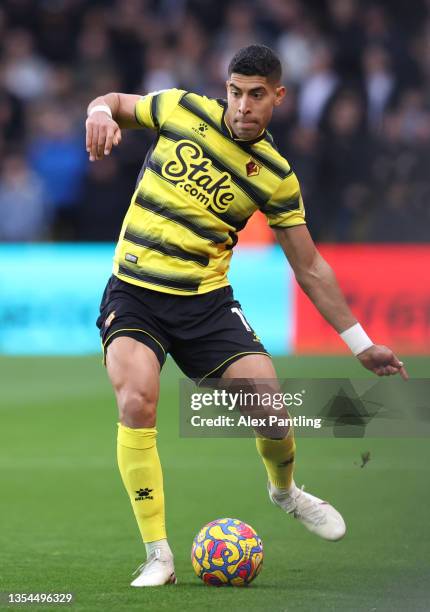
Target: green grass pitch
67,525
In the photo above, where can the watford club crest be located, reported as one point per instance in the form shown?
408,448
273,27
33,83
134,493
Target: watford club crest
252,168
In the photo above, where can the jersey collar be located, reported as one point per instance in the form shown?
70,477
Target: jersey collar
227,131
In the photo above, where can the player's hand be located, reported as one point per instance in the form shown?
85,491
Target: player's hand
382,361
102,133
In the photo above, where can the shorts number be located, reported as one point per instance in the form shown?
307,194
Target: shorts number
242,318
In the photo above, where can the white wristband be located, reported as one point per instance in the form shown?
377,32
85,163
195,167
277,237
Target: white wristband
100,108
356,338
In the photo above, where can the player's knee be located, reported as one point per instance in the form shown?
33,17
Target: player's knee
137,407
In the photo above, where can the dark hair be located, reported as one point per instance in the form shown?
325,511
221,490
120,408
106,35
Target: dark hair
256,60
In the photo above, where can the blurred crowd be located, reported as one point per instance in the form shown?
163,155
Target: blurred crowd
355,125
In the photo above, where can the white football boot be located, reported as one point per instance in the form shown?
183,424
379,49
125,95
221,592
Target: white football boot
316,515
155,571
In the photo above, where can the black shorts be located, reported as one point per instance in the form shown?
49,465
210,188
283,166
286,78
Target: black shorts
204,333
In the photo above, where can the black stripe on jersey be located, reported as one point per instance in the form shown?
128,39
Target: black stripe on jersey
234,222
256,195
156,168
135,115
199,112
146,162
162,281
288,206
280,171
165,212
154,110
269,138
166,249
234,238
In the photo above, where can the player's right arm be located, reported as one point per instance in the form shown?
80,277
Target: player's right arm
103,131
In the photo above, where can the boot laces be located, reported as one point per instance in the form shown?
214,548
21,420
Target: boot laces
307,508
155,556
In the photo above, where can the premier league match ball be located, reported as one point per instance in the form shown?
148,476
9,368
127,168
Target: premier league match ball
227,552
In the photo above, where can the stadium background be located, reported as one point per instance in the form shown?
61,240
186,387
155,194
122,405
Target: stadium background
356,129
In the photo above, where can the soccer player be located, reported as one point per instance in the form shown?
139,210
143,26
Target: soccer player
211,166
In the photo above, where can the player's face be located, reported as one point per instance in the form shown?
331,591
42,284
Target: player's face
251,100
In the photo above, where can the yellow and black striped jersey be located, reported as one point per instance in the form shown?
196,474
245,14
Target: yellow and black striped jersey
197,188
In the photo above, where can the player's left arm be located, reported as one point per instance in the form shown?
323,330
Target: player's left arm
318,281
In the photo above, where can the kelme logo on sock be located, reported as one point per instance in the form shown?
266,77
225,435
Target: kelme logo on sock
144,494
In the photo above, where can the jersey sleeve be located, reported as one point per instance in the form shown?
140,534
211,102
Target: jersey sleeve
285,208
152,110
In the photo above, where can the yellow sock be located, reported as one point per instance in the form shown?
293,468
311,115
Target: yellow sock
141,474
278,458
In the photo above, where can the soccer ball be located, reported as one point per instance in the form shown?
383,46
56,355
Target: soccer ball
227,552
